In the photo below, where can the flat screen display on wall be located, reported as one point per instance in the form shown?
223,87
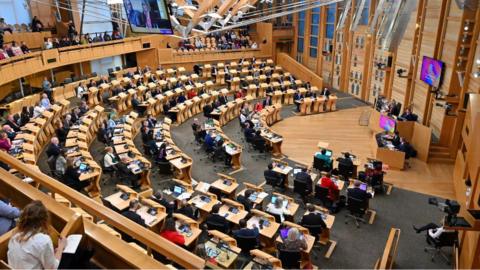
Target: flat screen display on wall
432,71
148,16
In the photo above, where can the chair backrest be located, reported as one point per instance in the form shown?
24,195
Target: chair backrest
447,239
246,243
278,218
314,230
217,226
355,205
345,170
376,180
318,163
290,259
321,192
300,187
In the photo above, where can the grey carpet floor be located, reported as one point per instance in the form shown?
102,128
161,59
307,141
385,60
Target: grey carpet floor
356,248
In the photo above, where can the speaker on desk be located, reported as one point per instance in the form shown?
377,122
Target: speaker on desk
146,45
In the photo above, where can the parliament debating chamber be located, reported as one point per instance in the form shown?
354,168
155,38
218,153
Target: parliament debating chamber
240,134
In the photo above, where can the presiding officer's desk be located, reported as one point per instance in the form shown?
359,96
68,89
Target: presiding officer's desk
386,152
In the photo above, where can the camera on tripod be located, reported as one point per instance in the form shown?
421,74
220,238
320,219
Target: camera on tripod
451,208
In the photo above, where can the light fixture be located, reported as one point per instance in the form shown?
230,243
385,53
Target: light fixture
477,61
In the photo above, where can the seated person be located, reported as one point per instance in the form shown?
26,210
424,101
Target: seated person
161,155
71,177
249,132
83,108
295,241
345,166
126,174
245,200
13,124
258,141
244,231
434,231
110,161
61,132
313,218
8,214
322,155
9,131
61,163
136,105
185,209
333,191
45,102
131,213
160,198
209,141
277,208
219,221
358,193
151,121
407,148
171,234
5,143
304,177
31,246
272,177
54,148
408,116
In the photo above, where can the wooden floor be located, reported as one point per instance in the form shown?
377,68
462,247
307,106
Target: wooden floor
342,131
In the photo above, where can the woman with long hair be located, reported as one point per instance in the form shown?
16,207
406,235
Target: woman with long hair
31,247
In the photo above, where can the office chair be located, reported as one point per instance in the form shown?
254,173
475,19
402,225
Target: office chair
94,74
446,239
163,167
278,218
261,147
345,171
357,210
290,259
376,181
319,164
301,188
272,181
111,172
321,193
67,80
246,243
110,71
117,68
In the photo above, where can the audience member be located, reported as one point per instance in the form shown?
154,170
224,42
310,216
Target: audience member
278,208
5,143
295,241
31,246
170,232
71,177
8,215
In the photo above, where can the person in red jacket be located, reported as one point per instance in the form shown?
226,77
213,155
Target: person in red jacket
327,182
170,233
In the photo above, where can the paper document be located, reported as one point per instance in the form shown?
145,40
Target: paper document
72,243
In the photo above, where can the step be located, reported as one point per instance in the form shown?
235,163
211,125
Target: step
438,148
439,154
441,160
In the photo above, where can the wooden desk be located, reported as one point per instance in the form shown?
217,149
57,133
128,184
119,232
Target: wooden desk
193,232
231,216
267,232
226,256
226,184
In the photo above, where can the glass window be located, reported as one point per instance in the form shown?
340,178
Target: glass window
300,45
313,52
301,15
313,41
330,31
365,13
314,30
331,13
301,28
315,18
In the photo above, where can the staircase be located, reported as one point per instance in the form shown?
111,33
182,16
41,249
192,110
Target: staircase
440,154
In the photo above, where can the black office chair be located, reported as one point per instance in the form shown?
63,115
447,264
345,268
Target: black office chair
217,226
290,259
315,230
111,172
376,181
110,71
278,218
117,68
446,239
321,193
164,167
261,147
302,189
246,244
345,171
357,210
319,164
272,181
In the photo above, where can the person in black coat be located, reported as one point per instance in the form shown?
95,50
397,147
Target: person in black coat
71,177
358,193
325,92
313,217
273,177
185,209
218,220
245,200
159,198
267,101
223,99
126,174
131,213
61,132
304,177
54,148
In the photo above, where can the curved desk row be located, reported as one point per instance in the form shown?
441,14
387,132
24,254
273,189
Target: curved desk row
231,148
231,110
268,116
125,148
28,144
181,162
77,144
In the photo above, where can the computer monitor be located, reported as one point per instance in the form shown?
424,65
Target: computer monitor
363,187
83,167
328,153
177,189
284,232
387,123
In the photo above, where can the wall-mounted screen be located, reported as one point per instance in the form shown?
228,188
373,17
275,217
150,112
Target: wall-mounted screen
387,123
148,16
432,71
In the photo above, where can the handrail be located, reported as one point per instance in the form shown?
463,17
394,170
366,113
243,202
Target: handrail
149,238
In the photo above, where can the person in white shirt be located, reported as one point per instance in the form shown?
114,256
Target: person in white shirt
254,45
45,102
81,89
277,208
38,110
110,160
31,247
434,231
